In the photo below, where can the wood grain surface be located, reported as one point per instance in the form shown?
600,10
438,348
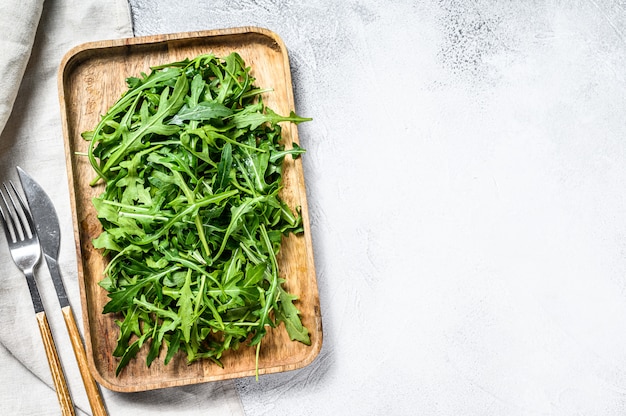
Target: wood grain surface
56,368
91,388
91,78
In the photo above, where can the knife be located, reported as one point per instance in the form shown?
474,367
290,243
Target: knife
49,233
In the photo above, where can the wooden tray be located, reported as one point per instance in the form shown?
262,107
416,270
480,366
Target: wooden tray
91,78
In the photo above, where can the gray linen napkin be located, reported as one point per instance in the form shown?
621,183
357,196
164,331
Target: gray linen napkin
19,20
36,35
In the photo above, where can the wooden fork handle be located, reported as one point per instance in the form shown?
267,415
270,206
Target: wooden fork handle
93,392
60,384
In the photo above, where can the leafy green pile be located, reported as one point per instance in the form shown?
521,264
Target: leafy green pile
192,221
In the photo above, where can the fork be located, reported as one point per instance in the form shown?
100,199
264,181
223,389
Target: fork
26,252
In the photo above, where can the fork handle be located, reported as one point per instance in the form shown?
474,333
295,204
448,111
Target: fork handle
60,384
93,392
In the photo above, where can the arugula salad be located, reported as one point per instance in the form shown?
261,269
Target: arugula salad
192,220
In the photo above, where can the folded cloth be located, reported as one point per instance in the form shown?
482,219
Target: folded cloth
32,138
19,20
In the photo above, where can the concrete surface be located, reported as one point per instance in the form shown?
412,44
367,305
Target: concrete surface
466,174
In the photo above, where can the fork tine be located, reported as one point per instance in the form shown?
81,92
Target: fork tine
25,211
18,226
4,221
18,212
8,220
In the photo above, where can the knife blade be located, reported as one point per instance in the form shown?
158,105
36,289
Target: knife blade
49,233
48,230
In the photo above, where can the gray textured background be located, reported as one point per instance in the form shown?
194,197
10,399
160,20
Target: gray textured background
466,177
466,173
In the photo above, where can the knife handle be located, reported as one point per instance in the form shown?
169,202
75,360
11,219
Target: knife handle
60,384
93,392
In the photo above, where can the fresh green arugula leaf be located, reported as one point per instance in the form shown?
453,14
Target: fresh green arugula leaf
191,161
204,111
287,313
253,119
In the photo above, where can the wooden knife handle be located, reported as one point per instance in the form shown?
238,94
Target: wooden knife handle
60,384
93,392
